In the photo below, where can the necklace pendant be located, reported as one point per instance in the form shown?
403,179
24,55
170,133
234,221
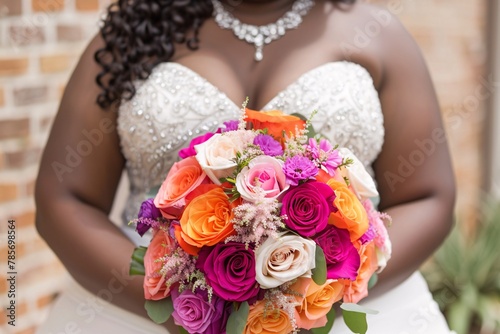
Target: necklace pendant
261,35
259,54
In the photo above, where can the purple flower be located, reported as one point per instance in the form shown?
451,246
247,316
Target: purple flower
298,168
218,324
230,126
342,258
230,270
268,145
325,154
147,213
190,151
195,314
369,235
307,208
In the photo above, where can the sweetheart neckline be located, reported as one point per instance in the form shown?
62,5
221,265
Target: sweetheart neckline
280,92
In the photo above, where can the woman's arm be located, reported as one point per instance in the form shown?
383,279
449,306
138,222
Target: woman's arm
413,172
80,170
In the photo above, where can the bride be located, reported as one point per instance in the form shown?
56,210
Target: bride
168,70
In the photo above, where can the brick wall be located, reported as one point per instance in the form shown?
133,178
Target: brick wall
40,41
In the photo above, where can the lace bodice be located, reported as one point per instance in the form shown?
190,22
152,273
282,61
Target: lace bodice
176,104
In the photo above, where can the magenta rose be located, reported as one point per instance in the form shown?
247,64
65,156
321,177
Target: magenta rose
307,207
230,270
342,258
196,314
190,151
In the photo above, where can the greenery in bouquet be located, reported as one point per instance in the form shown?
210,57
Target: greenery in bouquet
261,227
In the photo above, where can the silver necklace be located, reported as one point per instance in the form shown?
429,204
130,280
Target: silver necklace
261,35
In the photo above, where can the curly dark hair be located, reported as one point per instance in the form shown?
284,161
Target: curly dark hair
140,34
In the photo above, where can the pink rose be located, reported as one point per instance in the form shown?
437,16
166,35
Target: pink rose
263,174
183,178
154,282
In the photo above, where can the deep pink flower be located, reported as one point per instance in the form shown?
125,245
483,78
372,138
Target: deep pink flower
190,151
342,258
307,207
325,154
230,270
299,168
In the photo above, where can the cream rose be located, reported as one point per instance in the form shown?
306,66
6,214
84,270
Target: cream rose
383,255
216,156
283,259
263,174
361,181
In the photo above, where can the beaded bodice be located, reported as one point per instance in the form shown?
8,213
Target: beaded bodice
176,104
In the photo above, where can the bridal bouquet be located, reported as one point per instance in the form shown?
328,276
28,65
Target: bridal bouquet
261,227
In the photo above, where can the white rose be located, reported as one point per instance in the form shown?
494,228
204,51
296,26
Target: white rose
383,254
264,174
216,156
283,259
361,181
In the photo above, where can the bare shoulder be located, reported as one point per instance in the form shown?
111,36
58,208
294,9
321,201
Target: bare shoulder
370,34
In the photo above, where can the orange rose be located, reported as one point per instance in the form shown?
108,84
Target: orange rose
275,121
154,283
191,250
315,301
358,289
207,219
351,214
266,321
184,176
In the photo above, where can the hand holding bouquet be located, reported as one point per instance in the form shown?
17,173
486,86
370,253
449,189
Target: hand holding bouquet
261,230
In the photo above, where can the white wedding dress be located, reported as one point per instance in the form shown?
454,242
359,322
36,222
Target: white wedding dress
176,104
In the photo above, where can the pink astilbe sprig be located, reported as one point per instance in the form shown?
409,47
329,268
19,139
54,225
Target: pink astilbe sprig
281,298
178,267
255,222
293,147
144,224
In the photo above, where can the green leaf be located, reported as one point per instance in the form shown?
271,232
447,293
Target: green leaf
459,317
182,330
159,310
357,308
137,261
319,272
153,191
238,319
355,317
373,280
329,324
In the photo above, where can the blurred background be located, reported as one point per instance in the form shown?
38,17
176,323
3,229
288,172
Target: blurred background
41,40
